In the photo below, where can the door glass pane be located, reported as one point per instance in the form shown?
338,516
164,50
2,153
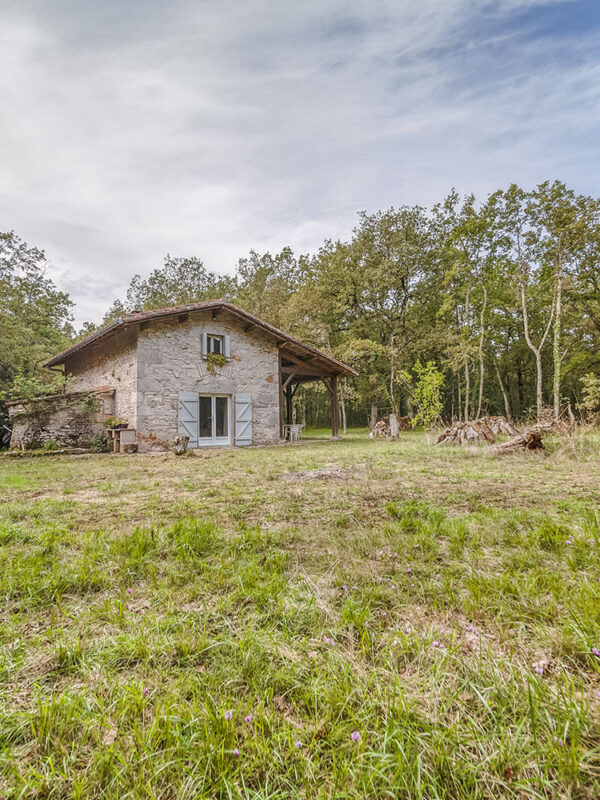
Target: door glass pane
205,417
221,405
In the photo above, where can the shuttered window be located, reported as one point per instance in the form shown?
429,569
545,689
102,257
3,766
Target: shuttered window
215,343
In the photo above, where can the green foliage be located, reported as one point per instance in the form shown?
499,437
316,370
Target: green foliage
114,422
591,395
51,445
179,281
427,393
34,315
98,443
90,404
214,361
28,386
459,285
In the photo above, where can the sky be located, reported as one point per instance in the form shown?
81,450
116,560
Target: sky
130,130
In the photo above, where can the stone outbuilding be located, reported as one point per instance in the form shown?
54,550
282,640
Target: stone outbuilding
209,371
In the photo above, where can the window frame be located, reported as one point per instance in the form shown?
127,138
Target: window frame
210,337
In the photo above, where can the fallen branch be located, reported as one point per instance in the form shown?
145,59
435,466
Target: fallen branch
531,440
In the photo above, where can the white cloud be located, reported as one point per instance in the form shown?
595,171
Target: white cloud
133,130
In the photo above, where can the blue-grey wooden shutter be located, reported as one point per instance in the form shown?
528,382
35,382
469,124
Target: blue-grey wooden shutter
243,420
226,346
204,343
187,416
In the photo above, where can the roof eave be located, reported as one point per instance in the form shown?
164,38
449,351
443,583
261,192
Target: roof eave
337,366
61,357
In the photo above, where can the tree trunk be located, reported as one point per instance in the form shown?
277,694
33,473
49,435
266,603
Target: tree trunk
481,364
556,342
467,387
467,372
520,391
343,411
373,412
392,367
537,351
459,397
504,393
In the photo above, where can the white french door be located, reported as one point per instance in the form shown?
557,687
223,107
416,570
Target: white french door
213,419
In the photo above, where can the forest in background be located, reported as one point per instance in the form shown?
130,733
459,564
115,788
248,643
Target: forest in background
499,300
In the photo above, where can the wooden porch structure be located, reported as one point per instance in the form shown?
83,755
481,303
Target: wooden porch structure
296,368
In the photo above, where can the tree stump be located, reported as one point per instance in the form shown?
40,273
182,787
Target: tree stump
180,444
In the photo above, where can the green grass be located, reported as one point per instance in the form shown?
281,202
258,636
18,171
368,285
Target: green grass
441,603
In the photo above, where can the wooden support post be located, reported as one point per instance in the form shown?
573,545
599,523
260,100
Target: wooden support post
288,380
281,402
334,407
288,405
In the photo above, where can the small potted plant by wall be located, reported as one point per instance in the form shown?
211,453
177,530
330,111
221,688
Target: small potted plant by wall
116,424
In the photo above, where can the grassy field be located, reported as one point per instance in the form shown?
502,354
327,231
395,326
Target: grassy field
405,622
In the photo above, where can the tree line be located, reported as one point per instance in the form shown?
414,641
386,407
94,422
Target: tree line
498,300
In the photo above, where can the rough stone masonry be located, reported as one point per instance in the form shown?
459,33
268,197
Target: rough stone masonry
146,368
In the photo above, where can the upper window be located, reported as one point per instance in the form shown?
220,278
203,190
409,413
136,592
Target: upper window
214,344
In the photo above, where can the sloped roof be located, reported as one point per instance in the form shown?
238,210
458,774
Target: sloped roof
292,344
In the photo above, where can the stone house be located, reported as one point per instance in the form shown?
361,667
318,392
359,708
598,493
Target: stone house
210,371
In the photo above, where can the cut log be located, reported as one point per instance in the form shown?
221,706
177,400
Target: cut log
388,427
532,440
483,430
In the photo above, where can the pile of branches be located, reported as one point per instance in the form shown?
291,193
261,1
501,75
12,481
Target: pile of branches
483,430
388,427
563,426
381,428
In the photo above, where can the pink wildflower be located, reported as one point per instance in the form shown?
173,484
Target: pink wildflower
248,718
329,641
236,752
228,715
355,736
298,745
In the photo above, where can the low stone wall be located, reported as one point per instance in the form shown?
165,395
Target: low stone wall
70,420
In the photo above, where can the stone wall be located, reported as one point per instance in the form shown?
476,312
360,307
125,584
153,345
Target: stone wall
170,361
110,363
70,420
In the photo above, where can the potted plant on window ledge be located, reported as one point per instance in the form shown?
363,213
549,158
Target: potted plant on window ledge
214,361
